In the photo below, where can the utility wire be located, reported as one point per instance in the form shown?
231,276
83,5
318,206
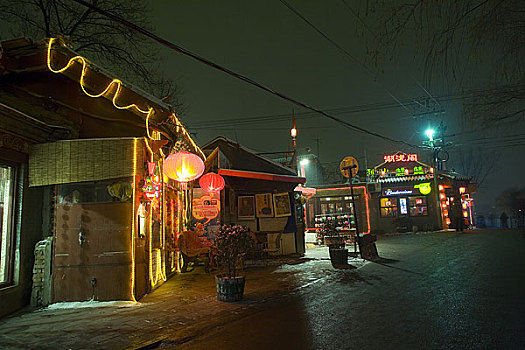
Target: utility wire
234,74
348,109
341,49
365,25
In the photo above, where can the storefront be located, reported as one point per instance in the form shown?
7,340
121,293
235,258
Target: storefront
335,203
406,196
117,217
259,194
87,213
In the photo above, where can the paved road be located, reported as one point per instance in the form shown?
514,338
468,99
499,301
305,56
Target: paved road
429,291
447,290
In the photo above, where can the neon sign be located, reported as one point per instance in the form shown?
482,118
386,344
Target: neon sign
400,157
424,188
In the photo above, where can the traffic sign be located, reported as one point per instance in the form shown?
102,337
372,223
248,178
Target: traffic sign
347,164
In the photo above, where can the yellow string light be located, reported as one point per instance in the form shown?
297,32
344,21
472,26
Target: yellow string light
133,221
115,84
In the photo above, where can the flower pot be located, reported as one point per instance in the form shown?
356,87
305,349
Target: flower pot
338,256
230,289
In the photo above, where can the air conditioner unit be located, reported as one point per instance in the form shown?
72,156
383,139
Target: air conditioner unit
373,187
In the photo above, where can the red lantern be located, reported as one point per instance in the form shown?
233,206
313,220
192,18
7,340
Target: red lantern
183,166
211,182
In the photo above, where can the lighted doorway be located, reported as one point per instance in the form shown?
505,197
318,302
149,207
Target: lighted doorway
7,179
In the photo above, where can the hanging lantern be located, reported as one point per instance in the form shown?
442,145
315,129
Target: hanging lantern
183,166
211,182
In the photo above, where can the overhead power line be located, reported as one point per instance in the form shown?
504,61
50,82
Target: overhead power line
236,75
341,49
348,109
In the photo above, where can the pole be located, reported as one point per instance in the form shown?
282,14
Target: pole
349,169
355,216
436,190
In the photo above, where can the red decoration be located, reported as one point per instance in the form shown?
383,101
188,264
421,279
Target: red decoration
211,182
151,168
183,166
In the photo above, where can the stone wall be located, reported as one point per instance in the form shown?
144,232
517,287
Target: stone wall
41,292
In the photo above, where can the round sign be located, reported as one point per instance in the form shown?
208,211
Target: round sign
349,162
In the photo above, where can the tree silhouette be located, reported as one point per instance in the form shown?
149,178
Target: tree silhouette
467,42
125,53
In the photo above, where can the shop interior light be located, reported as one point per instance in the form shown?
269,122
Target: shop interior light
304,162
465,214
462,190
441,187
448,221
442,196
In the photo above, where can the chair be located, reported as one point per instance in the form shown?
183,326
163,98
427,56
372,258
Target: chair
192,250
272,246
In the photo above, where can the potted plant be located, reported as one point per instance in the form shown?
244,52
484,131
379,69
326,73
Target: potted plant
335,243
232,242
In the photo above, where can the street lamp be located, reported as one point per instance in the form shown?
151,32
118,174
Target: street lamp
430,134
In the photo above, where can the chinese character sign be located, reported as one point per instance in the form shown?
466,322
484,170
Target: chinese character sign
400,157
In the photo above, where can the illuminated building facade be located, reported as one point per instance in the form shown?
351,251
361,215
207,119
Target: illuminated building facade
409,195
81,168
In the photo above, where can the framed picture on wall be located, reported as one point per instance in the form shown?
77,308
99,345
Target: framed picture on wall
263,205
281,203
245,207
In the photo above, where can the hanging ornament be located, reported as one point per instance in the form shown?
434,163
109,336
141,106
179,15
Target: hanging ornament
211,182
183,167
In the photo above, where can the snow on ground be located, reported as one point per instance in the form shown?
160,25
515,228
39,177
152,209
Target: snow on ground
91,303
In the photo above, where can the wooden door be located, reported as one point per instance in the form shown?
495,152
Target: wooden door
92,252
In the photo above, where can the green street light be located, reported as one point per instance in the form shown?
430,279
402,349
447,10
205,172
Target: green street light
430,134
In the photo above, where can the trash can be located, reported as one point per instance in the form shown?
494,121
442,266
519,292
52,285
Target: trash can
367,246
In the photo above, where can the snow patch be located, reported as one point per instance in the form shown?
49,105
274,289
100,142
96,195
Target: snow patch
91,303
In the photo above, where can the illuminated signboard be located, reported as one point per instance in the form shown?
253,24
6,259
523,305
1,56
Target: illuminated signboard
403,206
422,188
400,157
400,191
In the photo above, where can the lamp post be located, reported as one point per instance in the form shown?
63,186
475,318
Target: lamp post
430,134
293,134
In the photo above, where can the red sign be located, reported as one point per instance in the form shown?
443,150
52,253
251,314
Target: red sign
400,157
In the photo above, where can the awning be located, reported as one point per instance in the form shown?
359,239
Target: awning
262,176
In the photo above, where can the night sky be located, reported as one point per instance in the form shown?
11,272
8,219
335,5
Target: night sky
267,42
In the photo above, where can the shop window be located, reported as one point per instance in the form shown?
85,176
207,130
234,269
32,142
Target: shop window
7,209
388,207
418,206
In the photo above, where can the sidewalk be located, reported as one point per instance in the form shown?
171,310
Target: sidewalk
182,309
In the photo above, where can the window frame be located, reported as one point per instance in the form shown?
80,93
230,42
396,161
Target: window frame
413,198
396,207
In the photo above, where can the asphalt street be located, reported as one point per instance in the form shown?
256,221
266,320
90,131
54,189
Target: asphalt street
429,291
